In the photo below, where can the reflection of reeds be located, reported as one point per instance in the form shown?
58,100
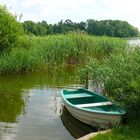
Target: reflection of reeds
11,105
75,127
14,89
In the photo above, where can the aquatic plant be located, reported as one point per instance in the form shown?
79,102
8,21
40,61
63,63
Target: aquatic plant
70,49
120,76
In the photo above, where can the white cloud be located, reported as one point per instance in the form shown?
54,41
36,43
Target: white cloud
77,10
9,2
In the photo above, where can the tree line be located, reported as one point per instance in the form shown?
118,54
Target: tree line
114,28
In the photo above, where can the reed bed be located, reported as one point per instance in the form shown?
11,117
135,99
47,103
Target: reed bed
119,76
70,49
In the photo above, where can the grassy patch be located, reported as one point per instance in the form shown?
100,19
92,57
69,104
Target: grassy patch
130,131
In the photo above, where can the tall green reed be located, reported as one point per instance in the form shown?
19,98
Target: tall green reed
69,49
119,75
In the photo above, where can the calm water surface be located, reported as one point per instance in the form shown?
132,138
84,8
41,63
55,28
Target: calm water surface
134,41
31,107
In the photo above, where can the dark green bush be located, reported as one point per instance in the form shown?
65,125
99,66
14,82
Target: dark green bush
10,30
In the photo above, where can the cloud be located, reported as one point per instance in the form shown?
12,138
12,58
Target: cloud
77,10
54,11
124,10
9,2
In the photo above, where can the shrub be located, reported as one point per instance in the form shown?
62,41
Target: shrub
120,75
10,30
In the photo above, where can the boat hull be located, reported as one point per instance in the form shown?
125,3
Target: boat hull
92,118
92,108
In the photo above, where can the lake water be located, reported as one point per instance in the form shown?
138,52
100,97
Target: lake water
134,41
31,107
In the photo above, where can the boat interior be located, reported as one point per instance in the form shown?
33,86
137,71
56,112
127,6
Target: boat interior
90,101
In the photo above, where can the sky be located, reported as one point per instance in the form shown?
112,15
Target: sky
53,11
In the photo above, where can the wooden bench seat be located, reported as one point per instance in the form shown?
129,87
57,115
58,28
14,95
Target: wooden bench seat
94,104
78,95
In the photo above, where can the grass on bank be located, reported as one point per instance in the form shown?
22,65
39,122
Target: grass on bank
130,131
32,52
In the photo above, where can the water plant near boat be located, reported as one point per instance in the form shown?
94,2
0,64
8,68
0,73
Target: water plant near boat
119,75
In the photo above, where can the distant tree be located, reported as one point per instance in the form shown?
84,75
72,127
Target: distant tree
81,26
92,27
41,28
56,29
68,25
60,28
30,27
115,28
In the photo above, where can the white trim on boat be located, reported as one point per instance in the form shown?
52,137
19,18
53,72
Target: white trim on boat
94,104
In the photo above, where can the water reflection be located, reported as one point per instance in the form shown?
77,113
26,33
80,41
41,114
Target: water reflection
11,105
50,77
134,41
30,105
76,128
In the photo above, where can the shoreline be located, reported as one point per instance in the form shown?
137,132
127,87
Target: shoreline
93,134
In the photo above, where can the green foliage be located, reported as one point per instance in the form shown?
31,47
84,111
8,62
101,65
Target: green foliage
70,49
128,132
18,60
24,42
31,28
114,28
75,48
120,75
10,30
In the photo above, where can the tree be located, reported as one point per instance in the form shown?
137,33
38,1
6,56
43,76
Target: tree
115,28
81,26
30,27
93,27
10,30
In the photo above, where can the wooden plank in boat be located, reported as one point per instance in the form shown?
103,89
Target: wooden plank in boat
78,95
94,104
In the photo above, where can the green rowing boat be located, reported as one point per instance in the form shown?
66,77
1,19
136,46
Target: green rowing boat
92,108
